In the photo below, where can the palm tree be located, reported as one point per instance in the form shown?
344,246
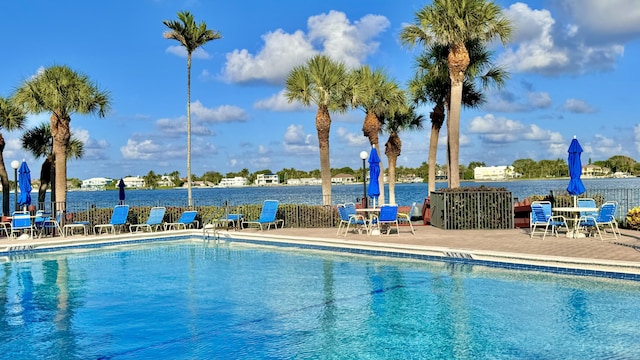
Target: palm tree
432,84
62,92
453,23
38,142
377,96
11,118
405,119
321,81
191,36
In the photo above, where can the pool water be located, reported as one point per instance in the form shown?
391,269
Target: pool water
197,300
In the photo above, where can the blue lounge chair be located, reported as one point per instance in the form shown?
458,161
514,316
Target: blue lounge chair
154,221
186,220
267,215
348,217
387,218
118,220
605,217
50,225
21,223
540,217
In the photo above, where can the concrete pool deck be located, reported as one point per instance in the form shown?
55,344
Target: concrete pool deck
506,246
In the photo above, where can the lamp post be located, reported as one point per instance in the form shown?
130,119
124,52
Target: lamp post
364,155
15,164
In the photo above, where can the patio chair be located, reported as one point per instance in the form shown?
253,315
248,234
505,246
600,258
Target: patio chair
267,216
587,203
154,221
404,218
387,217
50,225
539,218
21,223
348,217
118,220
186,221
605,217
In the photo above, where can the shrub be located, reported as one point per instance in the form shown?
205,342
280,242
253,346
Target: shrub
633,218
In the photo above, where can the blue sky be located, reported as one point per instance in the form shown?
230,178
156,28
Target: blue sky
573,66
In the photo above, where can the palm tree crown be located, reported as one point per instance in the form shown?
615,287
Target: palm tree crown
453,23
62,92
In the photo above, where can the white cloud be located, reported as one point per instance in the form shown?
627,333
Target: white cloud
549,48
577,106
336,35
93,149
352,139
296,141
140,150
223,113
178,126
607,20
501,130
278,102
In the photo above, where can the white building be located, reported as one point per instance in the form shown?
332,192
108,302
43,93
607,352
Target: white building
266,179
99,183
343,179
133,182
304,181
493,172
165,181
233,182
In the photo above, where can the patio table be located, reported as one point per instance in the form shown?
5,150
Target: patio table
574,233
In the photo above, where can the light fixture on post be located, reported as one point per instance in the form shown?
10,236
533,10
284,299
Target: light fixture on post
15,164
364,155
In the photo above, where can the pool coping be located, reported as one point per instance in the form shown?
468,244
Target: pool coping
626,270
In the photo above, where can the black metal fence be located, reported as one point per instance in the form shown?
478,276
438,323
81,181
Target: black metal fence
472,210
627,198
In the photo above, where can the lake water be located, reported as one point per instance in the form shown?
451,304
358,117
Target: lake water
626,191
406,194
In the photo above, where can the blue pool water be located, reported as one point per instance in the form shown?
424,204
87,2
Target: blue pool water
198,300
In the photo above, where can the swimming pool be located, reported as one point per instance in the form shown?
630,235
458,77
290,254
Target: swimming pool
199,300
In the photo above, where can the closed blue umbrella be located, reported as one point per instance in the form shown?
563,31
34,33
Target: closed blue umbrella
121,194
24,182
374,171
576,187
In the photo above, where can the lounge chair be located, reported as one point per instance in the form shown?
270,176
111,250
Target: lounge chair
540,217
404,218
186,220
348,217
267,216
605,217
154,221
51,225
387,217
118,220
21,223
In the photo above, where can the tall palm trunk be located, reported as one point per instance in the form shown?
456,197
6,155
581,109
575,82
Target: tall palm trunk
437,119
189,194
4,179
45,180
371,129
393,148
458,62
323,127
61,134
